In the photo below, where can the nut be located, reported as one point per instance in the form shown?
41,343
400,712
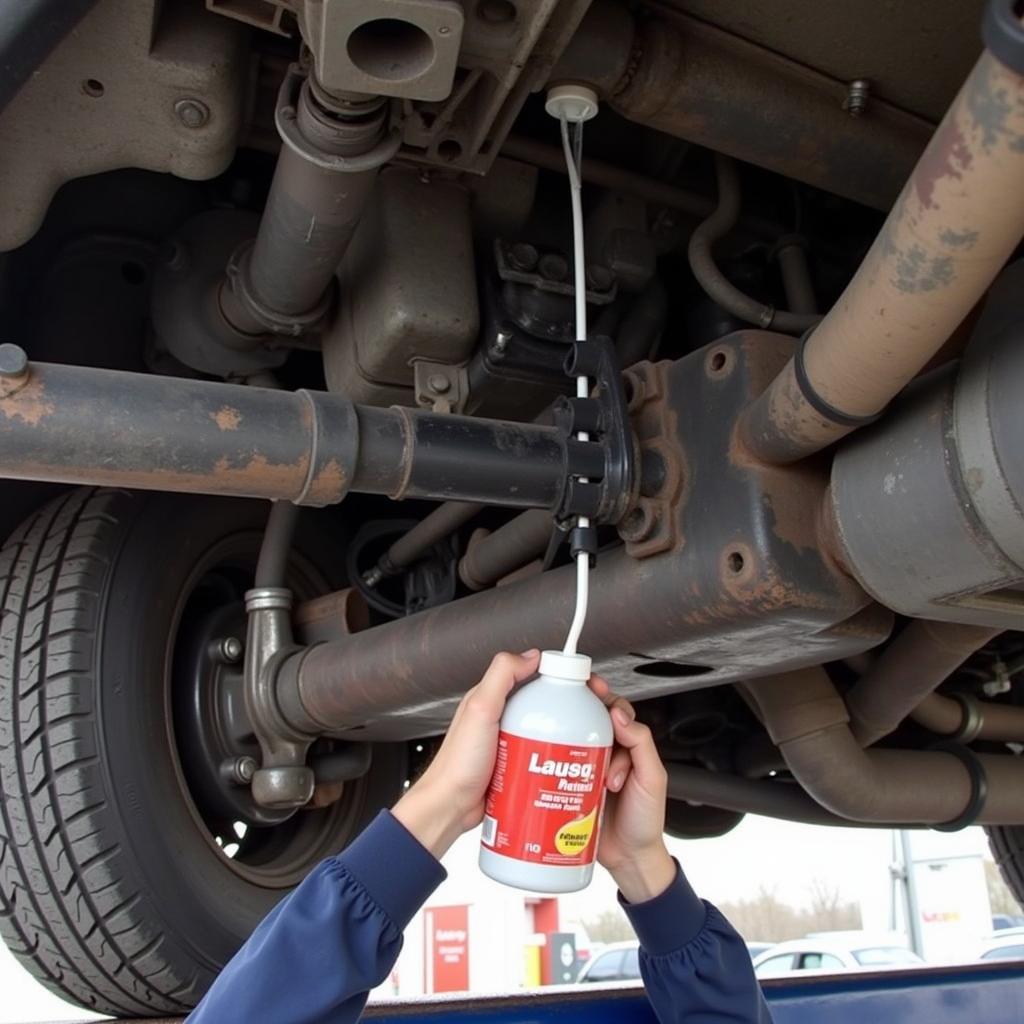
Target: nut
230,649
553,267
241,770
14,370
192,113
523,256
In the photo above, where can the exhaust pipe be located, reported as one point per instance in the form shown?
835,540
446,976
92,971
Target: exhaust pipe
807,719
916,663
957,221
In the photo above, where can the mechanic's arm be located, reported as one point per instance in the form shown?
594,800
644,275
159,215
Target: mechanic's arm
696,969
316,956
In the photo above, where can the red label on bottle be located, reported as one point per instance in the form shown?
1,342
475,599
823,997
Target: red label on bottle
545,801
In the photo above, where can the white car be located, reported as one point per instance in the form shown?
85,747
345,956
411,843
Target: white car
618,961
1006,944
833,953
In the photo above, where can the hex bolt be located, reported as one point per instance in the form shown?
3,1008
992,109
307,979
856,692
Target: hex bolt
230,649
523,256
857,94
239,771
439,383
501,341
553,267
14,370
192,113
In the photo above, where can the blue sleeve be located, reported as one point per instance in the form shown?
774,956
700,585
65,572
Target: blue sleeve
315,957
696,968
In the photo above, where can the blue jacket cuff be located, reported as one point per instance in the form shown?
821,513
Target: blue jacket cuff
669,921
395,869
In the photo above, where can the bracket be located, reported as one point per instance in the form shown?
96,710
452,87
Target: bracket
601,476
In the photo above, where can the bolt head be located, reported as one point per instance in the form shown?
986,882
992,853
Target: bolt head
13,361
192,113
439,383
231,649
244,770
553,267
523,256
599,277
502,340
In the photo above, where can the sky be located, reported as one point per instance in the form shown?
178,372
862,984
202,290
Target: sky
759,852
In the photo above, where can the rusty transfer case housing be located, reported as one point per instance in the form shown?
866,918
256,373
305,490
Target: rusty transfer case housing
408,289
734,582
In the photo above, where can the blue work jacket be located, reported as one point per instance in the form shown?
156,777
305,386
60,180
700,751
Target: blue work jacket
315,957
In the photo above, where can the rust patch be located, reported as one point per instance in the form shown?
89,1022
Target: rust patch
226,418
28,404
330,484
946,156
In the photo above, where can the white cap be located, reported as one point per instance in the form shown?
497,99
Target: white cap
574,102
575,667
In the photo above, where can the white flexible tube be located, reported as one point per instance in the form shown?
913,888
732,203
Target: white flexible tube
573,161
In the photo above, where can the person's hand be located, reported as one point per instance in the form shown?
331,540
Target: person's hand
448,799
632,840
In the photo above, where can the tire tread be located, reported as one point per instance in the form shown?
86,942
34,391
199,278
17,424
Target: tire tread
61,877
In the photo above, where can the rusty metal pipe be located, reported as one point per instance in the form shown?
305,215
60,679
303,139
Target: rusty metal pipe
493,556
79,425
791,255
916,663
702,262
442,522
697,82
618,179
807,719
966,719
958,219
332,150
783,800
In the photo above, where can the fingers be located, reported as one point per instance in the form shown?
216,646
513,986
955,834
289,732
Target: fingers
600,687
618,769
636,738
611,699
488,697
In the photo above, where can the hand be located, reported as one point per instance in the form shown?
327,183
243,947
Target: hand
632,841
448,799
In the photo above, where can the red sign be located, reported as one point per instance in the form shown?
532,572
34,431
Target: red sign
447,953
545,801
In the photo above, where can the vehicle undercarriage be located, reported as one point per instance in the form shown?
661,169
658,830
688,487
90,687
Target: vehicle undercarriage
289,446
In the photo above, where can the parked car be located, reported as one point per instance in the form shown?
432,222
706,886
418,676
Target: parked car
755,948
1005,944
827,954
618,961
1004,922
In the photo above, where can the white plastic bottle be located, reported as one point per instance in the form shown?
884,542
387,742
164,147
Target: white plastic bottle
546,798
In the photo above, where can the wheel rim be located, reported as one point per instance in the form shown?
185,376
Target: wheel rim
208,726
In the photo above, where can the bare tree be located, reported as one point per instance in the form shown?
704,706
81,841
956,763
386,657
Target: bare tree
999,895
609,926
829,912
766,918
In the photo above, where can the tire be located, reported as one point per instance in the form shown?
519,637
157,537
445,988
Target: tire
113,890
1007,844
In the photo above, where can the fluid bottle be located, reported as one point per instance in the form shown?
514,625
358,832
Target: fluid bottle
544,805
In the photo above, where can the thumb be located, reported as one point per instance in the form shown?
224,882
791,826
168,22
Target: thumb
504,672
